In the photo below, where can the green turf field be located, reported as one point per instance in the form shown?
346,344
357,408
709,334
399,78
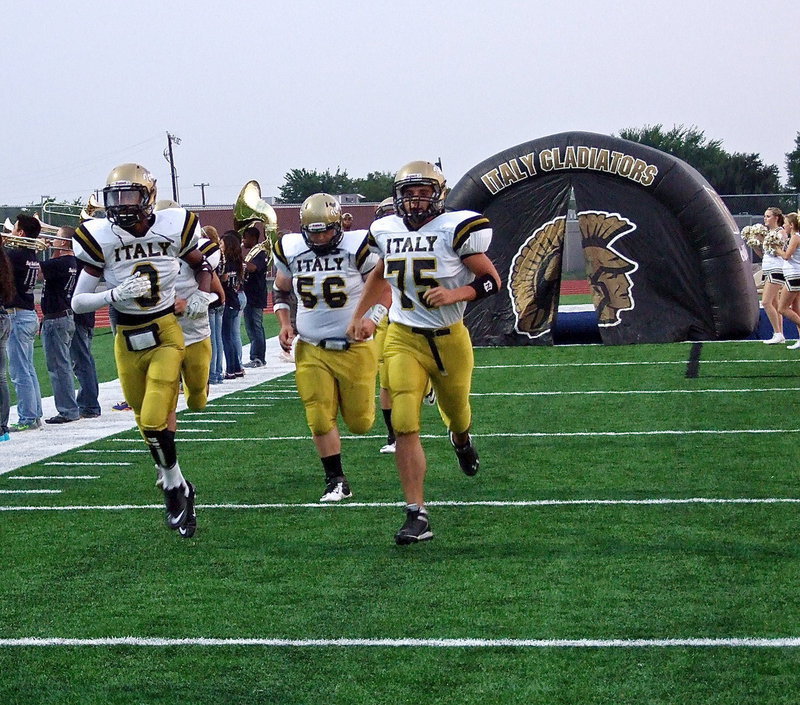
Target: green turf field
620,506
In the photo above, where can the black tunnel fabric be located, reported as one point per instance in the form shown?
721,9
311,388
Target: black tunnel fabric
663,254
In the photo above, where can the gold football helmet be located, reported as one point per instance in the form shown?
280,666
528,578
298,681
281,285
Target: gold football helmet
129,195
320,214
419,173
385,207
165,203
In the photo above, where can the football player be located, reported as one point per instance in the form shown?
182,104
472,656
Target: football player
386,207
325,267
137,251
435,263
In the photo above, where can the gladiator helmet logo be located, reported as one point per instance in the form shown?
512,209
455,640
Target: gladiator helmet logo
534,279
609,271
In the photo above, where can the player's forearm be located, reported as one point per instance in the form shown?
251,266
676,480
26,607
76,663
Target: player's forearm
90,301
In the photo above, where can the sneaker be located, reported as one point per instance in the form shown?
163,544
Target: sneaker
415,529
254,363
34,425
122,406
336,490
5,437
388,448
775,339
467,456
188,529
58,419
794,346
177,506
89,415
430,396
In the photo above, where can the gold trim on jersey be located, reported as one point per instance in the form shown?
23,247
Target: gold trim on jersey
466,228
89,244
209,249
280,254
189,226
371,242
362,253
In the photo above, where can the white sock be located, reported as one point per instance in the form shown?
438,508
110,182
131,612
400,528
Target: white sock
173,477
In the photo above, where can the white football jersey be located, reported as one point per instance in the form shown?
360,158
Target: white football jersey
195,329
327,287
417,260
174,233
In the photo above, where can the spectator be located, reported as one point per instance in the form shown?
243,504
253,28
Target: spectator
83,364
60,272
215,311
231,280
255,290
347,222
24,326
7,293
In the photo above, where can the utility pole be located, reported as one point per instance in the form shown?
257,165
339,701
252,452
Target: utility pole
202,187
169,157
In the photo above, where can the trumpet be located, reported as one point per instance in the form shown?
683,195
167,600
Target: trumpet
24,243
251,208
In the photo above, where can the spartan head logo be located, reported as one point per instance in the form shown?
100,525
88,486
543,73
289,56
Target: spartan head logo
609,271
534,279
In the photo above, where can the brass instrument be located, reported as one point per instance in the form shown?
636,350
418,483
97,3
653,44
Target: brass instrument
24,243
92,209
251,208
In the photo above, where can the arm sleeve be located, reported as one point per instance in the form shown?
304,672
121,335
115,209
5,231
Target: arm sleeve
85,298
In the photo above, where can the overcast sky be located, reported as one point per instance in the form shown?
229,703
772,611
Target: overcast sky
254,90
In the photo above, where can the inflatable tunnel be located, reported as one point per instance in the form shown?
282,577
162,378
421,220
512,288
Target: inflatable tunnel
663,255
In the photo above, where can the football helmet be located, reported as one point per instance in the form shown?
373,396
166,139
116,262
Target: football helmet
385,207
165,203
319,214
419,173
129,195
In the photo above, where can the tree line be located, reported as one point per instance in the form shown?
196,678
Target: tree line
728,173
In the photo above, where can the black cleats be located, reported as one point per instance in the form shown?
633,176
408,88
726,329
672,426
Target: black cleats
415,529
180,513
188,529
467,456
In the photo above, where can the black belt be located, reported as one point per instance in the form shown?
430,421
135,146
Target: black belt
133,319
60,314
430,334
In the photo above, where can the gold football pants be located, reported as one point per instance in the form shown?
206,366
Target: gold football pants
332,380
194,371
149,378
410,364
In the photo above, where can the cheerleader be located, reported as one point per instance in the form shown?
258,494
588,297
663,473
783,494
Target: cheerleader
789,298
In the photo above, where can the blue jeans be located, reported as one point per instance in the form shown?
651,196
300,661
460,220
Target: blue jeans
242,302
254,325
5,394
83,367
24,326
230,336
56,339
217,350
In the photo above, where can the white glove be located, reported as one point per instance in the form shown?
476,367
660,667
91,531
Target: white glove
132,288
197,304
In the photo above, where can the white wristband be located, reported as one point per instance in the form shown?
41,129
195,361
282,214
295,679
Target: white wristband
378,313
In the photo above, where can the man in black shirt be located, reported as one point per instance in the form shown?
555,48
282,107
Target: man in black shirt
255,290
80,350
60,273
24,327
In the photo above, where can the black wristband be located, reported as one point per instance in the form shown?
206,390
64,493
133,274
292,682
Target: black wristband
484,286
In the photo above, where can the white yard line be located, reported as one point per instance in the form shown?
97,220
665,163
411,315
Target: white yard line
54,477
29,447
444,643
659,501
